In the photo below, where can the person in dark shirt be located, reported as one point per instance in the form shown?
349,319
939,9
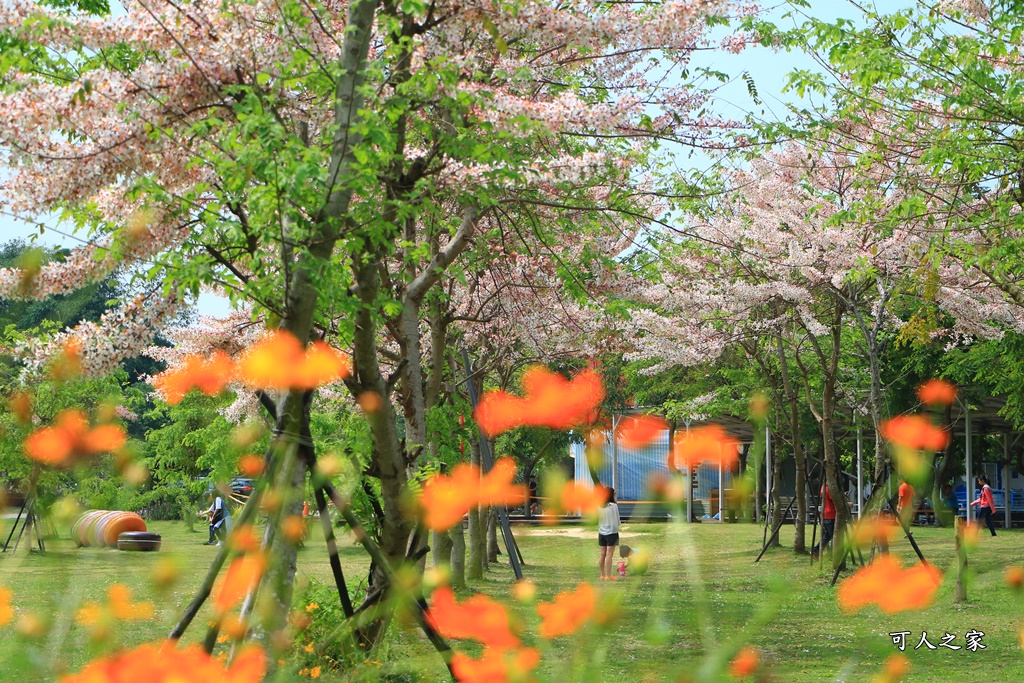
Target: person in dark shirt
949,498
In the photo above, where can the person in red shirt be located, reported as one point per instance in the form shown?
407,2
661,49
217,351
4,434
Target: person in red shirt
905,506
828,520
987,502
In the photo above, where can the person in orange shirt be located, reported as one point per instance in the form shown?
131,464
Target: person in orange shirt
987,502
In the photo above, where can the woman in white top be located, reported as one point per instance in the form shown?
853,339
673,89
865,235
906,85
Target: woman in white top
608,534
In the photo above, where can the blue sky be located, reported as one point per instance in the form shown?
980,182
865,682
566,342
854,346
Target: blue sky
767,67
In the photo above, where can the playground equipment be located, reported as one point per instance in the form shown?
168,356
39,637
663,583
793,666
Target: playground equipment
138,540
102,528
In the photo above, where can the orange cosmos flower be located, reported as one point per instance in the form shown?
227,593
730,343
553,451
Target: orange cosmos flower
70,438
887,584
250,465
323,365
745,662
550,401
479,618
119,607
971,533
243,539
445,499
936,392
1014,576
242,576
568,612
896,667
20,405
68,363
915,432
707,444
119,598
293,528
874,529
496,666
6,613
637,432
161,662
280,362
208,375
572,497
496,487
369,401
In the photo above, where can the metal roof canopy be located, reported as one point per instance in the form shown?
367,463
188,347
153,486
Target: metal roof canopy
985,419
736,426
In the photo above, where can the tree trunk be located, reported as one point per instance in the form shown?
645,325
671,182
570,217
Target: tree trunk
832,468
776,497
458,557
477,536
492,535
800,484
960,592
943,470
441,548
300,302
389,464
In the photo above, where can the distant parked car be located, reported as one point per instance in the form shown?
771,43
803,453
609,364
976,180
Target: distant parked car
241,486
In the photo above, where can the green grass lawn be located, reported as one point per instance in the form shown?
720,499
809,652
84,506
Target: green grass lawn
702,591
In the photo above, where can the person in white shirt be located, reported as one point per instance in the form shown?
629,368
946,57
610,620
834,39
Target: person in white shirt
216,516
608,534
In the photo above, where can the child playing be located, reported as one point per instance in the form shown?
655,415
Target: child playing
624,552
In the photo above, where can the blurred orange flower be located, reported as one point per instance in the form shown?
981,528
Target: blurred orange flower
936,392
20,405
250,465
568,612
873,529
915,432
242,539
6,613
550,401
895,668
119,607
496,666
971,533
496,487
369,401
119,598
636,432
293,528
279,362
572,497
708,444
1014,576
70,438
323,365
68,363
445,499
479,618
242,576
161,662
745,662
208,375
887,584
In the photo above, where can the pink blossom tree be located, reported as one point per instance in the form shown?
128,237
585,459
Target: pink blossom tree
325,165
807,239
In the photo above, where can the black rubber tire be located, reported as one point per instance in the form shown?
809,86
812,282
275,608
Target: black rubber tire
138,540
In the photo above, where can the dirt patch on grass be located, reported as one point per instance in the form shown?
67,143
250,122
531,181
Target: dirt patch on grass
571,532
